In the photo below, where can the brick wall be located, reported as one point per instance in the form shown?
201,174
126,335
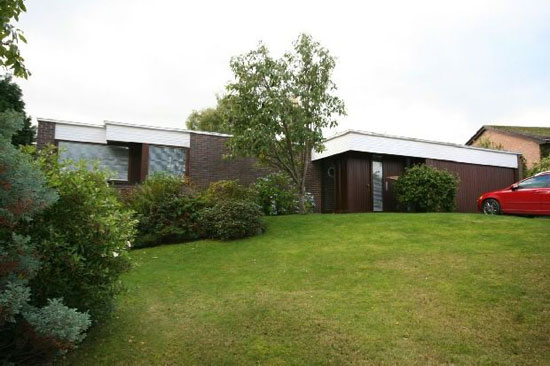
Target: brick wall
530,149
313,183
207,164
45,134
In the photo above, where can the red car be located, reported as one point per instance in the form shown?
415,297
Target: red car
530,196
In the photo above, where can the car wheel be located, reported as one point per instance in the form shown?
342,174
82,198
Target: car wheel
491,207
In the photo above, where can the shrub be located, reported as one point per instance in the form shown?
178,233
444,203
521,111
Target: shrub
276,194
83,238
231,211
542,166
224,190
167,209
426,189
24,194
231,219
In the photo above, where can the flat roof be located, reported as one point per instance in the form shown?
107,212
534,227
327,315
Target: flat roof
126,124
367,133
377,143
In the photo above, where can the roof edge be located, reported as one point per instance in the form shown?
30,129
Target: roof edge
367,133
116,123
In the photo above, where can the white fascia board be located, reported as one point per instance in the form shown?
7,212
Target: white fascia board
80,132
146,135
393,145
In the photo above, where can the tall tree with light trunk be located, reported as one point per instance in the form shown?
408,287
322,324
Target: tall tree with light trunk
278,107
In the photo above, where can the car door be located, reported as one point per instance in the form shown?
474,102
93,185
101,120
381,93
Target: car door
524,197
544,196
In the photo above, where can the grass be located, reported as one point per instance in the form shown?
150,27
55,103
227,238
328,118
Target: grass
339,289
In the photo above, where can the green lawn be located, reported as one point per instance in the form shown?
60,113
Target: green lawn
339,289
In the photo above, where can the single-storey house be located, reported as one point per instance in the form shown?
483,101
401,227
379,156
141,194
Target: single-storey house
532,142
355,172
358,169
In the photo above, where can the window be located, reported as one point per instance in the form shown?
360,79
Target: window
377,186
542,181
166,159
111,157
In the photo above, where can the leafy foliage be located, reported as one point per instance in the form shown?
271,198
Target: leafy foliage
426,189
23,195
232,219
231,211
167,209
224,190
11,98
488,144
210,119
542,166
277,195
58,325
83,237
10,36
278,107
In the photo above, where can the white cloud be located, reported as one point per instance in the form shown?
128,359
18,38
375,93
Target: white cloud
431,69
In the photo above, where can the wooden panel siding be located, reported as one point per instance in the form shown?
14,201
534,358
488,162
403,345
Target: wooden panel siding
393,167
475,180
359,196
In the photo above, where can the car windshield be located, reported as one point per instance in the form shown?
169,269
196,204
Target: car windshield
542,181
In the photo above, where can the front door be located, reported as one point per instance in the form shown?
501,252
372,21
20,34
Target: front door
358,185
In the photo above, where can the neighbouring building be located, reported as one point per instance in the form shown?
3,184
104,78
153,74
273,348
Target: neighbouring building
532,142
355,172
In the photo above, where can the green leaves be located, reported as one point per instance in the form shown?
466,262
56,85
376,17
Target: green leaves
279,107
10,37
426,189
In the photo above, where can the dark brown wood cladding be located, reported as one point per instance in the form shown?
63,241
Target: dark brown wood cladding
392,166
144,161
359,196
328,184
475,180
134,163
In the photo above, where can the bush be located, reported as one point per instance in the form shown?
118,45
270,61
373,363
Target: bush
426,189
542,166
224,190
231,211
167,209
23,195
232,219
83,238
276,194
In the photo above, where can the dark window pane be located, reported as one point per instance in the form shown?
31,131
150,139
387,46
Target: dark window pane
166,159
111,157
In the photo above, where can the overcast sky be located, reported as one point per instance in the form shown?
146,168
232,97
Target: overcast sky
428,69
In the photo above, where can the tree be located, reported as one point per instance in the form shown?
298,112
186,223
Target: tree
278,107
10,36
209,119
11,98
